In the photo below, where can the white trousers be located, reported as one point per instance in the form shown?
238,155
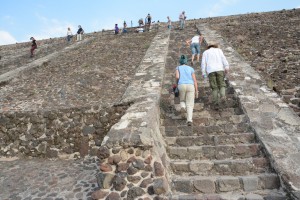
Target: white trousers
187,99
79,37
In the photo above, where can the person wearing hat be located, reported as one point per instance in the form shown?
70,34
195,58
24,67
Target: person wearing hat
33,46
215,64
188,88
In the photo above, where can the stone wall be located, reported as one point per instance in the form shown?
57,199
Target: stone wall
61,133
133,159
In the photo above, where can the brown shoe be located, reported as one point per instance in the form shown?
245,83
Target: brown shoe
189,123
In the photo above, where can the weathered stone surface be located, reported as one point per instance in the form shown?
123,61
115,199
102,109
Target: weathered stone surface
226,184
113,196
105,167
146,182
119,183
205,185
134,193
160,186
105,180
99,194
133,179
158,169
139,164
103,152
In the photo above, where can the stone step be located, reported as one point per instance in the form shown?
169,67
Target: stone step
220,152
187,141
247,166
219,184
180,128
255,195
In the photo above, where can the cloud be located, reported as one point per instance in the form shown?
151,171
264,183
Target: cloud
6,38
218,7
51,28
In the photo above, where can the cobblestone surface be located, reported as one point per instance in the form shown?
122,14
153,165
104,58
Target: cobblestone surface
35,179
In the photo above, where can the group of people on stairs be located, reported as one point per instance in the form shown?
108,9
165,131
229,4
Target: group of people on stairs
214,65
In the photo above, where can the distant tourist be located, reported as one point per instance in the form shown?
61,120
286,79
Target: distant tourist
216,66
195,44
141,22
139,30
33,46
80,32
169,23
188,88
69,34
124,27
148,21
116,29
182,19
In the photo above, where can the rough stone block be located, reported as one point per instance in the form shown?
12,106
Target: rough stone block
194,153
160,186
250,183
223,152
184,186
198,167
226,184
205,185
175,152
269,181
180,166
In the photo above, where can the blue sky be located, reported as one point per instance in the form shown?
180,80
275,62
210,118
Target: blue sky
21,19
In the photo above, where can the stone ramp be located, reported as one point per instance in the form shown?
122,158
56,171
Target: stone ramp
219,157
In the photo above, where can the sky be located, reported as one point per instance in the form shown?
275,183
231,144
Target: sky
21,19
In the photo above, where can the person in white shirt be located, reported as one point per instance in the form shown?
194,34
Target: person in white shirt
69,34
195,44
169,23
182,18
215,64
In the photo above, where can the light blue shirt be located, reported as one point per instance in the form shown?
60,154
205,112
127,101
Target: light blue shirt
185,74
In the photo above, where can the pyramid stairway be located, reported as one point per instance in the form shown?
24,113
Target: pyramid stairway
219,156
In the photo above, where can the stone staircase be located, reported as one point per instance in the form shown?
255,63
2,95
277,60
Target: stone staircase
219,156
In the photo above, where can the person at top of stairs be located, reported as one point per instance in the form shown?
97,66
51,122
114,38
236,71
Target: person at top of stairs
215,64
188,88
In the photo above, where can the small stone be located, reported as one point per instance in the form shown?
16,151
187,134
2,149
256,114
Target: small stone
116,150
146,182
139,164
113,160
124,155
123,194
134,179
119,183
148,168
144,174
160,186
99,194
148,160
113,196
122,167
130,151
131,159
138,152
103,152
134,192
105,180
105,167
158,169
131,170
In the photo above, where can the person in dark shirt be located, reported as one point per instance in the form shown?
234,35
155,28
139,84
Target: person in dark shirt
116,29
33,46
79,33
